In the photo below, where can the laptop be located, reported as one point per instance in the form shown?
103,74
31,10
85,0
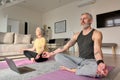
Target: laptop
20,70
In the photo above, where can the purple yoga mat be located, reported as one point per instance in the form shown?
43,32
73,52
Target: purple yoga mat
20,62
64,75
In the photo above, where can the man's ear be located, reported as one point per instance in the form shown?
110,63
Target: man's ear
91,21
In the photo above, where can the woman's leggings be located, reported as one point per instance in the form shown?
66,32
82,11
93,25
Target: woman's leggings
31,54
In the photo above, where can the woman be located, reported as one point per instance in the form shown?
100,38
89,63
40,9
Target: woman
35,54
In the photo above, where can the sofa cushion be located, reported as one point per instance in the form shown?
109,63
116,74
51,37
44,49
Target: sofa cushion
22,39
6,38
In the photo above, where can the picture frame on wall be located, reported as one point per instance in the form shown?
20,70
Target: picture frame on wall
60,26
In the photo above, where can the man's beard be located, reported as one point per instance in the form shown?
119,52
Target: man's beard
86,26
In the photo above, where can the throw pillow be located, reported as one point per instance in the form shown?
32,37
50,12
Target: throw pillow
22,39
6,37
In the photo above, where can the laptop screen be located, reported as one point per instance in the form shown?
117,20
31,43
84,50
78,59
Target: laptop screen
11,64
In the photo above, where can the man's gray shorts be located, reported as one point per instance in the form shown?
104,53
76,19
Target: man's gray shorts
86,67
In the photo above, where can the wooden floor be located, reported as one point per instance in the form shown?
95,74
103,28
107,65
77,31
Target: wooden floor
113,60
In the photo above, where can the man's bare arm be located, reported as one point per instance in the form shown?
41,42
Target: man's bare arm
97,37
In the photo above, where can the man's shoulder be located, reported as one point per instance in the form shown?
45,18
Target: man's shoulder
97,31
76,34
97,34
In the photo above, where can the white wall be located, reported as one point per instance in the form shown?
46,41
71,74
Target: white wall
3,22
14,25
71,13
110,35
22,15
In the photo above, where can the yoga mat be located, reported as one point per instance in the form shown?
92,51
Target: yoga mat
19,62
64,75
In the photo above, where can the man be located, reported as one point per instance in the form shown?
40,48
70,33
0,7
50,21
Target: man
90,61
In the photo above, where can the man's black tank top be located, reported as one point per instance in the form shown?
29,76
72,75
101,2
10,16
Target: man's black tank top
86,45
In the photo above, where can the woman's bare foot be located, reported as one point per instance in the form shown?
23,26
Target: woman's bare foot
32,59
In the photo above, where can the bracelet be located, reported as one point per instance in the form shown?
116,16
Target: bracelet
100,61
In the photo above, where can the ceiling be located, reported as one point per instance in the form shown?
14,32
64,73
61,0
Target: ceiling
43,5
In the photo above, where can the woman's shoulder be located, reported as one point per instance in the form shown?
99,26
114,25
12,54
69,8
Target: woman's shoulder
42,38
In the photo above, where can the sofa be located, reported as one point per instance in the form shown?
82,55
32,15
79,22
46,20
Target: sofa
11,43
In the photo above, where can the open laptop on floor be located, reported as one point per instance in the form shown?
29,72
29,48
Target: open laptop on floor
20,70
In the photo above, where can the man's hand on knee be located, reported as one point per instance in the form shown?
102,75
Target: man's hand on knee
102,70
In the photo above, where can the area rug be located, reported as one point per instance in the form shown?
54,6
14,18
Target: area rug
41,68
65,75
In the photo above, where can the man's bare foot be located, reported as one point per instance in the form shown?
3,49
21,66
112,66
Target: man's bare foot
64,68
68,69
32,59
